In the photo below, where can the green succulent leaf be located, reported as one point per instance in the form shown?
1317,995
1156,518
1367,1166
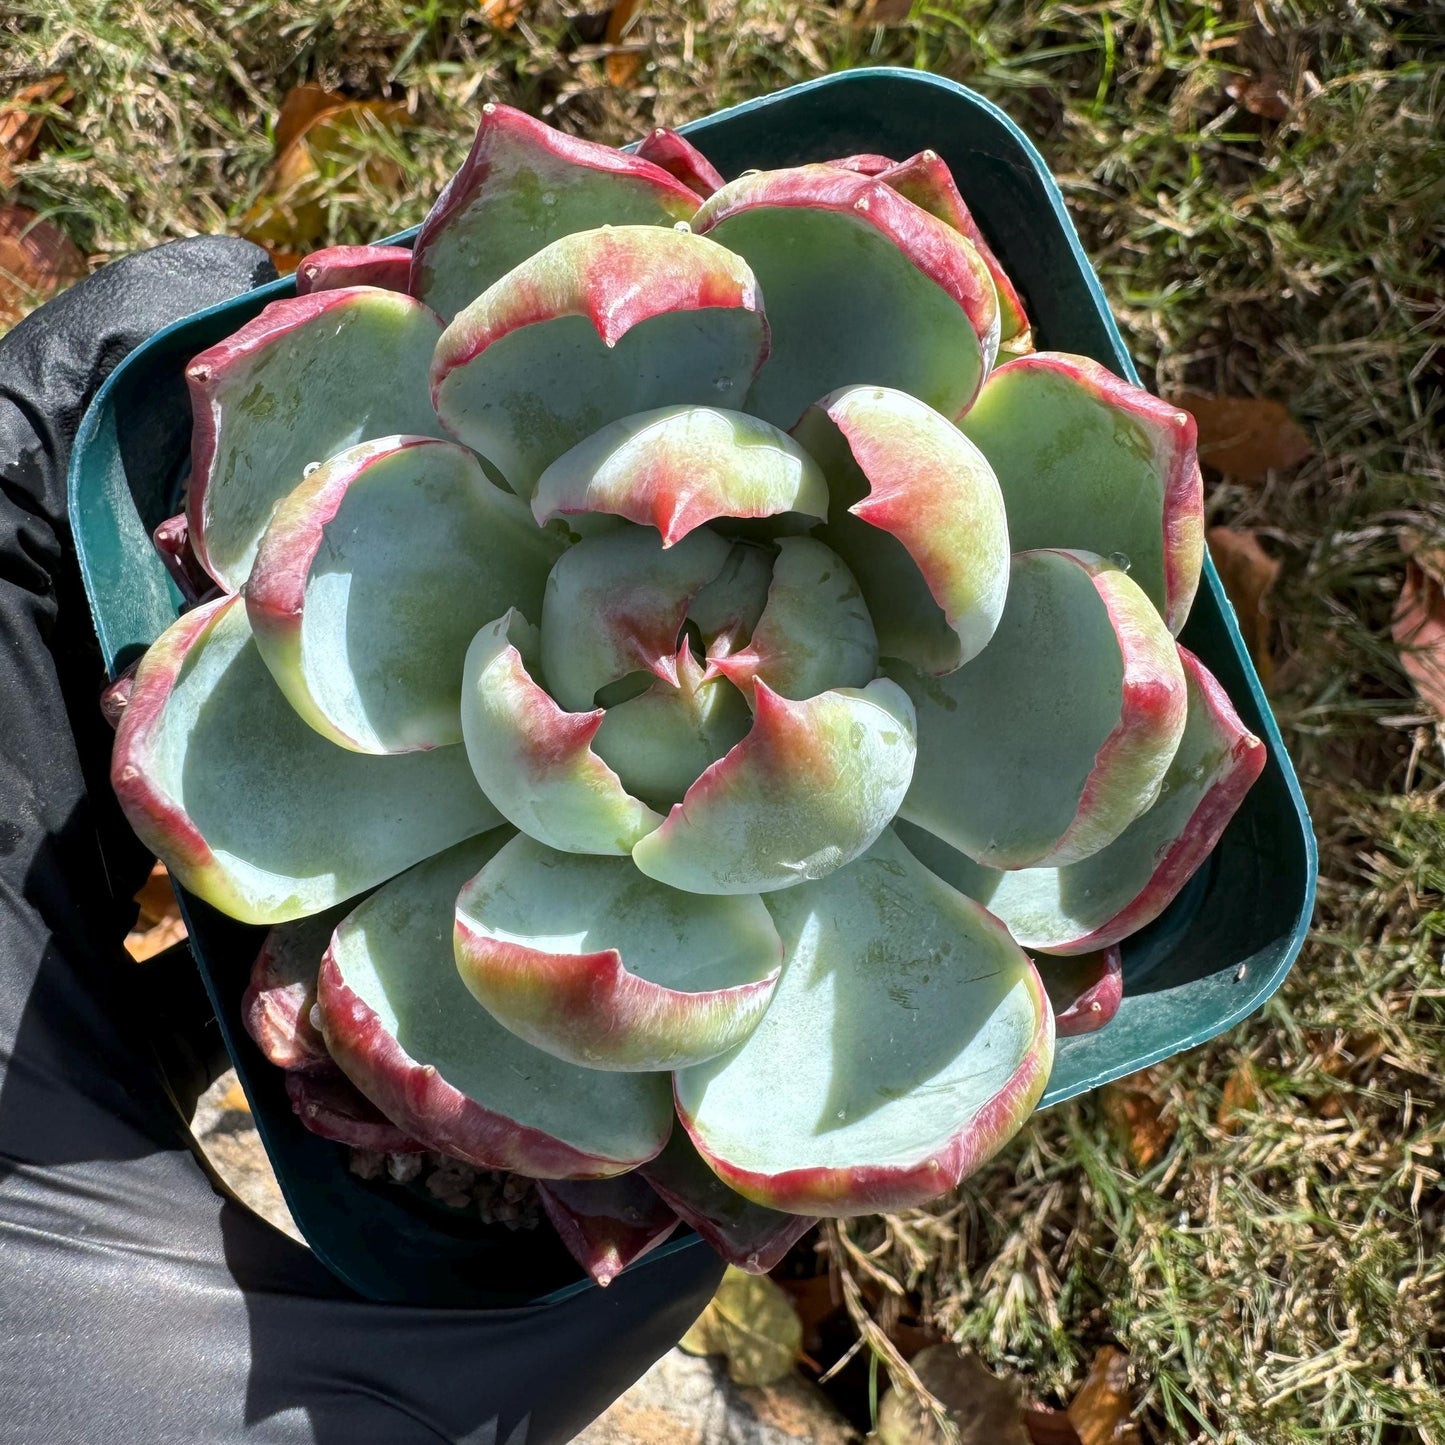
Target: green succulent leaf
660,742
925,180
595,327
681,466
1086,460
534,760
1057,736
522,186
815,632
861,286
809,789
1095,903
917,514
615,604
591,961
399,1020
310,376
253,810
908,1039
343,595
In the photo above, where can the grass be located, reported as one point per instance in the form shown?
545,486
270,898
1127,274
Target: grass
1278,1273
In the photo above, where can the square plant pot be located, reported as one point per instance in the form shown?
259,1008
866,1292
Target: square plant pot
1214,956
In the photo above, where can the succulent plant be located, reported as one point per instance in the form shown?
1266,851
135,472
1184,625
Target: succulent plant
683,668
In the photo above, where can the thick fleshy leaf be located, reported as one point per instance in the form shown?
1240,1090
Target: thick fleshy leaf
925,180
1052,741
522,186
814,633
343,594
809,789
308,377
596,327
679,467
400,1022
606,1224
253,810
586,958
745,1234
1084,992
388,267
861,286
729,607
276,1007
1096,903
680,158
329,1104
535,761
935,579
1087,461
662,741
172,540
615,604
908,1039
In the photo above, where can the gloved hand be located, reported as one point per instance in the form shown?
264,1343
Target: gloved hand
136,1302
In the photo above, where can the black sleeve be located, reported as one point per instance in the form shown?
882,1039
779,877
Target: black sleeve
136,1302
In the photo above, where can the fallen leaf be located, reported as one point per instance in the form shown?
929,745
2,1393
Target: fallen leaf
323,140
1418,625
302,105
1047,1426
1102,1411
21,119
983,1408
1244,436
817,1301
885,12
234,1101
623,67
1262,95
752,1322
1134,1112
1240,1095
159,924
37,259
1248,573
502,14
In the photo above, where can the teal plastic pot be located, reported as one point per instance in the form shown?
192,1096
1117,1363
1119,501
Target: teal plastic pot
1215,955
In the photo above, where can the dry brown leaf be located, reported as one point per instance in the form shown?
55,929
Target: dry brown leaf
1240,1095
502,14
37,259
1419,621
1102,1410
302,105
157,898
623,67
1244,436
885,12
1047,1426
1262,95
320,143
21,119
1248,573
983,1408
1134,1111
159,923
752,1322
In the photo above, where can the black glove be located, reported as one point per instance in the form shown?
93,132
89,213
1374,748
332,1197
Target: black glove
136,1302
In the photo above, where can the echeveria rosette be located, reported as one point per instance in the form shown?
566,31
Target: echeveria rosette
690,530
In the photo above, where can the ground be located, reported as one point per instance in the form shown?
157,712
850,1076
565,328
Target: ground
1261,188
